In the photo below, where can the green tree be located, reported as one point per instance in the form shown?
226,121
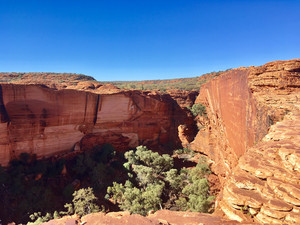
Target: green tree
98,175
195,193
105,154
154,183
70,209
38,218
137,200
85,201
198,109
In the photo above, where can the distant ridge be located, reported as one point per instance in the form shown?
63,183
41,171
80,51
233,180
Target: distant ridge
188,84
72,80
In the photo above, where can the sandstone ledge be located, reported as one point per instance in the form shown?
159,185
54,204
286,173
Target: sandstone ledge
161,217
268,187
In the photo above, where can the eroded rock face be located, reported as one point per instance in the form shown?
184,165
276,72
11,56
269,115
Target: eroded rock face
251,134
229,129
183,98
43,121
241,105
266,182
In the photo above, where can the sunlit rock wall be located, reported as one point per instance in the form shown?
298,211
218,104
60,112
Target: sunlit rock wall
43,121
251,135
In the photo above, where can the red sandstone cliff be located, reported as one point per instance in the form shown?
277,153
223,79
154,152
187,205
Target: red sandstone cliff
251,135
260,177
45,122
229,128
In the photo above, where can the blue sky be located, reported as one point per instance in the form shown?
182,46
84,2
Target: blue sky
145,39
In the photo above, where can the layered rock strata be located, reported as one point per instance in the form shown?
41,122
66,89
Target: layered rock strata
251,133
266,182
43,121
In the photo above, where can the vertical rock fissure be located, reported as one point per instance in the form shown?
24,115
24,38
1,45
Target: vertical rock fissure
3,113
85,107
96,110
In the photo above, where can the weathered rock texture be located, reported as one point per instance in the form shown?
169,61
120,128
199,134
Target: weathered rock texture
266,182
161,217
259,164
43,121
229,129
251,134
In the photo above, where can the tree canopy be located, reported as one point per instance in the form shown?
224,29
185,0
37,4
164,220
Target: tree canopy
154,183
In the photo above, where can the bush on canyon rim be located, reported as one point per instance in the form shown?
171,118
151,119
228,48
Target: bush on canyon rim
154,184
85,201
198,109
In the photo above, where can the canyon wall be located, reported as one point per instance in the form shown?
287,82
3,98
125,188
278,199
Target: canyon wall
43,121
229,128
250,132
251,135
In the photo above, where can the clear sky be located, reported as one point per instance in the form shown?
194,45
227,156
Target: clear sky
145,39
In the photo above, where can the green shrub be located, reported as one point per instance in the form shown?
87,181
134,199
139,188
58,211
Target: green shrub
85,201
187,151
37,218
153,184
198,109
56,215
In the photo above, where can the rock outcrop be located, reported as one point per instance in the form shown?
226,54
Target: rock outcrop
266,182
161,217
251,134
44,121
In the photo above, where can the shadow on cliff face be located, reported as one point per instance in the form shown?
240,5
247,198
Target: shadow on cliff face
153,123
29,185
3,113
49,122
181,116
29,179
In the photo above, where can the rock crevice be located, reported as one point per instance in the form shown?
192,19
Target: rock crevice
3,114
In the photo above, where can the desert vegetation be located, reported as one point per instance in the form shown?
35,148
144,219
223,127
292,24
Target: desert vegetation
189,84
31,186
198,109
83,203
154,184
39,190
72,79
45,76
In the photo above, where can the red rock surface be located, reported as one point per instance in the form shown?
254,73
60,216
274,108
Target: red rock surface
251,135
230,128
241,105
266,181
161,217
183,98
257,160
44,121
